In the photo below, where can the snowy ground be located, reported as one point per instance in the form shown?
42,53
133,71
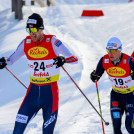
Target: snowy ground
86,38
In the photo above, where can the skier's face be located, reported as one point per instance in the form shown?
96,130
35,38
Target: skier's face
37,35
114,55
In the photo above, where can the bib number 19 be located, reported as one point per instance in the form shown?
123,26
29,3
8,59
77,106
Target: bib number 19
118,81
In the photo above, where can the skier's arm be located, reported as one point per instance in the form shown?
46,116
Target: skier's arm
96,74
99,69
16,55
60,49
131,63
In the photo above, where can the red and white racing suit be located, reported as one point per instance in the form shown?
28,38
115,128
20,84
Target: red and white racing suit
122,94
43,89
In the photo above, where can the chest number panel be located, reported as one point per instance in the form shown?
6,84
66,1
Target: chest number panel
118,81
39,66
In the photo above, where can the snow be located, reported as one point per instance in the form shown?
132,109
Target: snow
86,38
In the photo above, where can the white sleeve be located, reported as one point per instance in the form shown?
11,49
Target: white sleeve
60,49
17,54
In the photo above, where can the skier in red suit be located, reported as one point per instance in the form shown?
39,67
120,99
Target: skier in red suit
45,54
119,67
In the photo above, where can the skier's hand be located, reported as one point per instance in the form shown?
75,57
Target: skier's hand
2,63
132,74
59,61
94,76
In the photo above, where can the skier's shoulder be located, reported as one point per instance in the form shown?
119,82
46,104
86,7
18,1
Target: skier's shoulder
50,36
105,56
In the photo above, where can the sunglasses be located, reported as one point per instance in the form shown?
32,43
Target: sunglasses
33,30
112,50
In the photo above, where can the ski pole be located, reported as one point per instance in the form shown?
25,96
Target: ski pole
106,123
15,77
99,105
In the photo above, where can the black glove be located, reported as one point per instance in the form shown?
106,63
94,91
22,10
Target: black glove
132,74
59,61
94,76
2,63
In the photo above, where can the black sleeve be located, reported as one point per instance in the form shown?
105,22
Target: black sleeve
131,63
99,69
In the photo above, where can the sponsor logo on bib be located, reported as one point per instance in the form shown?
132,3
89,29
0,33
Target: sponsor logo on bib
116,71
38,52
